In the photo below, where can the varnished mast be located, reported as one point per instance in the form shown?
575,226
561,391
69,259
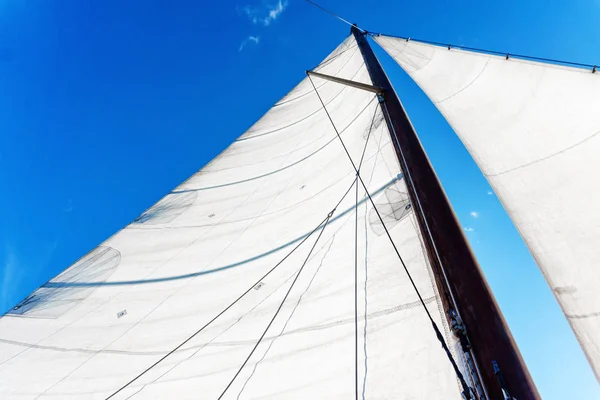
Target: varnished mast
458,276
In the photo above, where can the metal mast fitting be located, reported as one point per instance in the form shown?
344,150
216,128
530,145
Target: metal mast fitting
458,276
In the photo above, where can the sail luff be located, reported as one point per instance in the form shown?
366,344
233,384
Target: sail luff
131,314
488,333
532,127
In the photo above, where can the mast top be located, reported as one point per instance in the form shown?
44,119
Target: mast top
355,28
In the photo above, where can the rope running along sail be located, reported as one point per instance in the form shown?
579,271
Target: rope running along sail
466,389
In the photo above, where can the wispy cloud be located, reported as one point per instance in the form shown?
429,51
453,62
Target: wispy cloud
490,193
474,214
275,12
249,39
264,14
70,207
467,229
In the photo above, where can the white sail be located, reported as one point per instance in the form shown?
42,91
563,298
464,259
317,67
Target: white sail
534,130
145,291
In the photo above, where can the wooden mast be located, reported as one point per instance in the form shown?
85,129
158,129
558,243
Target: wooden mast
458,276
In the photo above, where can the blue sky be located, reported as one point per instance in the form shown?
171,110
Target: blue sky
107,105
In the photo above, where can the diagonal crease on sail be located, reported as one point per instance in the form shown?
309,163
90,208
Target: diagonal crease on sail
533,130
146,289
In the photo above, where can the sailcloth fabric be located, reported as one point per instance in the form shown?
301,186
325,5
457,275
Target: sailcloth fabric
150,287
534,130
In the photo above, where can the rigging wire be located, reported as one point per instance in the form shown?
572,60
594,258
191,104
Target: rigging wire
356,258
466,389
280,305
450,296
329,12
321,226
356,265
355,183
594,67
356,291
485,51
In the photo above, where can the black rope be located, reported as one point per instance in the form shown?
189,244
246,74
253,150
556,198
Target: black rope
329,12
325,221
466,389
356,291
278,308
356,315
493,52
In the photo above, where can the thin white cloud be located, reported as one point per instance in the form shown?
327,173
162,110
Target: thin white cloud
275,12
69,206
249,39
490,193
474,214
469,229
264,14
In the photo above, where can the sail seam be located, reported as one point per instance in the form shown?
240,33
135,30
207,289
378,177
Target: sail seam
225,267
406,56
180,288
281,333
207,344
280,306
310,91
546,157
466,389
467,86
263,214
211,343
327,62
218,315
320,227
300,120
356,204
280,169
583,316
314,276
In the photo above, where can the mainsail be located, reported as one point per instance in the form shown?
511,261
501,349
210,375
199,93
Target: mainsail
266,274
534,130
